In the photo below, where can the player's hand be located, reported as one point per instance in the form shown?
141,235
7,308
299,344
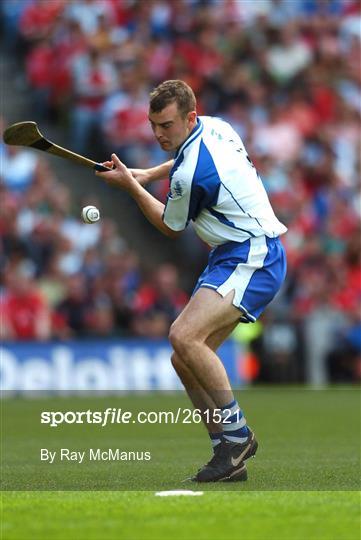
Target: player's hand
120,176
141,176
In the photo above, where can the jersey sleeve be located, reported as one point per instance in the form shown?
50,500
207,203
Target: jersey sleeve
176,209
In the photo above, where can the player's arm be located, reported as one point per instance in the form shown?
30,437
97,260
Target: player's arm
120,176
159,172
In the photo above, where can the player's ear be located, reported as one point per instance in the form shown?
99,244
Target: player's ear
191,116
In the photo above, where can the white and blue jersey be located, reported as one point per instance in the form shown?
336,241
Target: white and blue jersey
214,184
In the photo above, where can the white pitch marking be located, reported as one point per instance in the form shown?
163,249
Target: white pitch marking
177,492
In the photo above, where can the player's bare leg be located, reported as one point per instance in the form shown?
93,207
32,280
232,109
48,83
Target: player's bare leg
197,394
206,313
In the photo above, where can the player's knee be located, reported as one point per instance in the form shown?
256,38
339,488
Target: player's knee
179,339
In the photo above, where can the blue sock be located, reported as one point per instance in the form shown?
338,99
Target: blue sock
216,439
234,423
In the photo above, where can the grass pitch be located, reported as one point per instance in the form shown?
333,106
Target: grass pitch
142,516
303,483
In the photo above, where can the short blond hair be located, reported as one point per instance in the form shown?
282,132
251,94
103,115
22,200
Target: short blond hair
173,91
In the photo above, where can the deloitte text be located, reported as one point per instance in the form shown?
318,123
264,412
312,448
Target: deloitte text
86,366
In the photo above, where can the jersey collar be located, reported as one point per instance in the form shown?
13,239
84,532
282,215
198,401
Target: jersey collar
196,131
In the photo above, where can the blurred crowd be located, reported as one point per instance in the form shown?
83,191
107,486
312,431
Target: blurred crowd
63,278
285,73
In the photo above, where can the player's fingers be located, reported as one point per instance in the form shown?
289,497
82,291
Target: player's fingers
108,164
118,164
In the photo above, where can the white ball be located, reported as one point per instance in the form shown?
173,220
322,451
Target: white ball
90,214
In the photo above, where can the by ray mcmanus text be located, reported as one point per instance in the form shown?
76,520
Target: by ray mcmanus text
92,454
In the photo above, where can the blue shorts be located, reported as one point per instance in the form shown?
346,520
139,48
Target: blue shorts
254,270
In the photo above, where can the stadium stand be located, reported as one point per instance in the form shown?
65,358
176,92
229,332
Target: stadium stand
285,74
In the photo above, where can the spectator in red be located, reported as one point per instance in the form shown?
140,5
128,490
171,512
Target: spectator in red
39,17
39,75
25,313
94,78
125,117
69,43
202,57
